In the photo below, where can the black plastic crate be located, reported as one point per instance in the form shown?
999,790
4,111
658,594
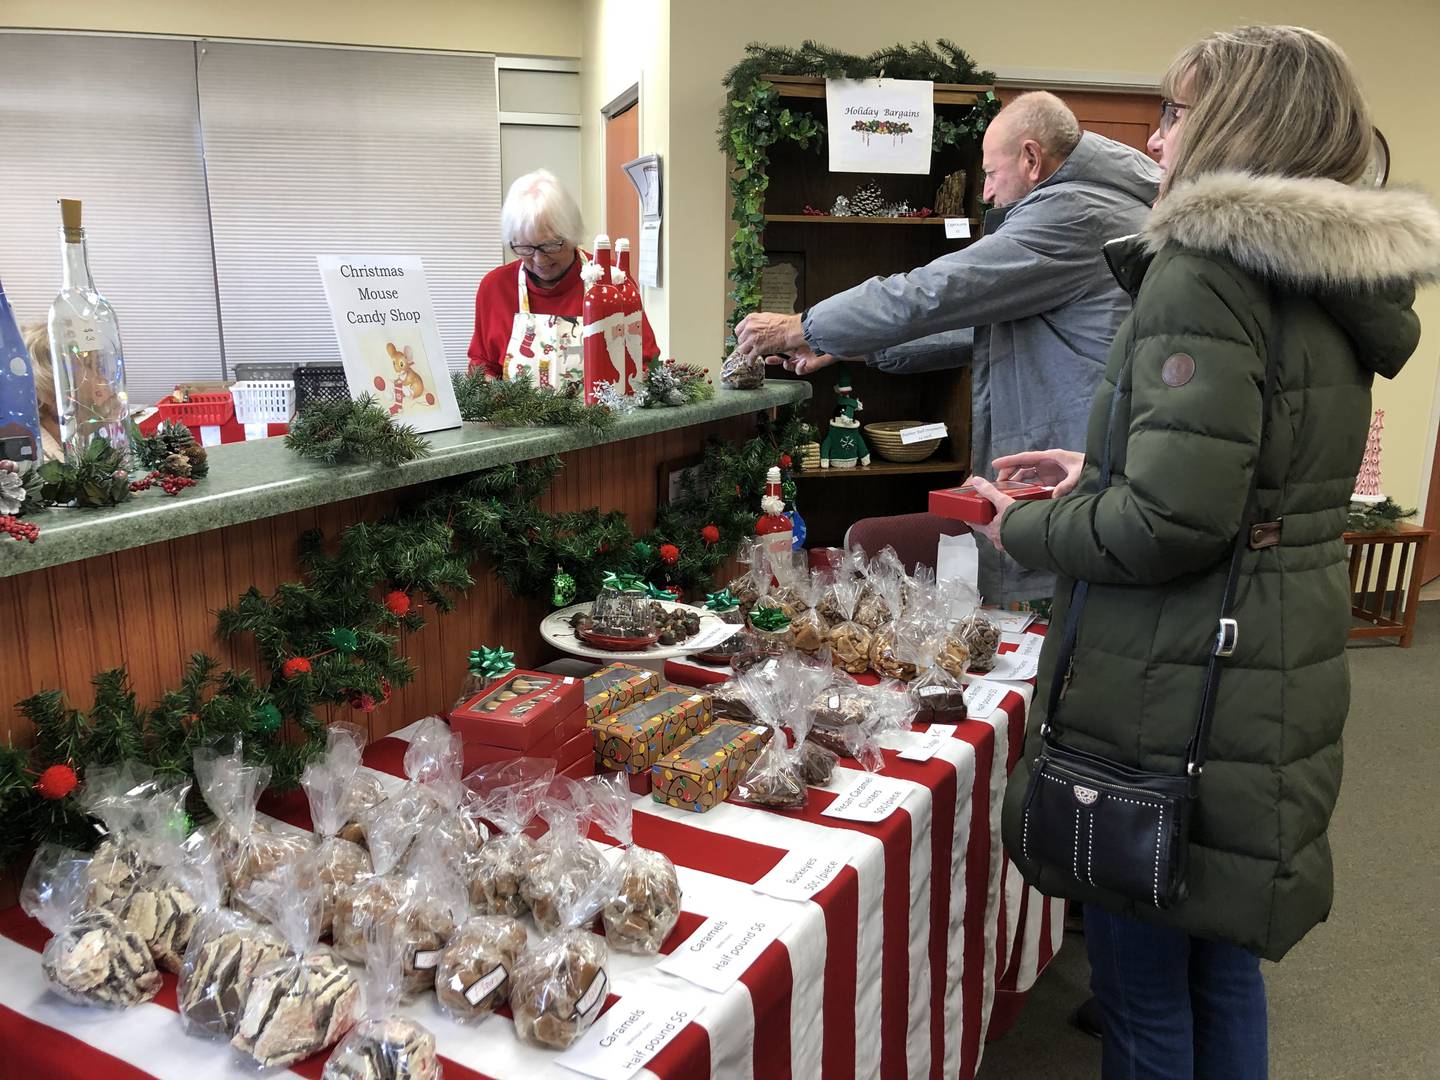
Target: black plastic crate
320,382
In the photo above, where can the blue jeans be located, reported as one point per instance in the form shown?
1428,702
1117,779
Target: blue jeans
1176,1007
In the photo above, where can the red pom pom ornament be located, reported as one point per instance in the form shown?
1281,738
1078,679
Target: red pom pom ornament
786,461
669,554
397,601
295,667
56,782
710,534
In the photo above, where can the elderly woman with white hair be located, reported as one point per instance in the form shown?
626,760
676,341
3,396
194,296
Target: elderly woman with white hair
527,312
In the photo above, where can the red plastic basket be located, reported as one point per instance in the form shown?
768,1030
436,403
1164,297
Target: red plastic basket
200,409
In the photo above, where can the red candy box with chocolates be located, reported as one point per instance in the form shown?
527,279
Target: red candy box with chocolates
525,713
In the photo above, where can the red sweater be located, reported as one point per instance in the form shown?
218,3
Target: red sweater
497,302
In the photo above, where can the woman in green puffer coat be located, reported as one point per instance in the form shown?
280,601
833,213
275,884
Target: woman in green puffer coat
1261,241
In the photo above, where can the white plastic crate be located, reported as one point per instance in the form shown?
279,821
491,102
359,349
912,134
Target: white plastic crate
264,401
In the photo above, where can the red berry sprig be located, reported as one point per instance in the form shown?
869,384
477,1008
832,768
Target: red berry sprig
143,484
173,485
20,530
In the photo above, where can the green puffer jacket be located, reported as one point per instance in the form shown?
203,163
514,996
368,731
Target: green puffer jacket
1219,258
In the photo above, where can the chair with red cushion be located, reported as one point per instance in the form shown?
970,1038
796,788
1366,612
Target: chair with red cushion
915,537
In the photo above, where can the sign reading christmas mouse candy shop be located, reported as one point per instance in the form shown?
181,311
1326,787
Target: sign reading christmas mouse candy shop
879,125
389,341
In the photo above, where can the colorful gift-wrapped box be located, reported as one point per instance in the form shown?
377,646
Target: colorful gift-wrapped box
615,686
638,735
700,773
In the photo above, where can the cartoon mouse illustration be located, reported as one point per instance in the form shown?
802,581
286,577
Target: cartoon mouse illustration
407,382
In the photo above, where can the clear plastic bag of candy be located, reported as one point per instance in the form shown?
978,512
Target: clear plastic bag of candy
848,639
560,984
232,788
91,958
434,902
778,695
327,781
885,658
938,696
385,1045
304,1001
645,904
473,979
508,795
809,630
566,863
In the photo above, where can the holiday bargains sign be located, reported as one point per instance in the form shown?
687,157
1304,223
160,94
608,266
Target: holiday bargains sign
880,125
389,341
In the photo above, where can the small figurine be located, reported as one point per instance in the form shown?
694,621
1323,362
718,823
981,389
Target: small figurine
844,446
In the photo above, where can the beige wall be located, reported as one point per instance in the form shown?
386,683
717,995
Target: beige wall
627,43
526,27
1391,42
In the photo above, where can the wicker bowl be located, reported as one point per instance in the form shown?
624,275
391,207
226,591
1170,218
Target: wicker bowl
884,439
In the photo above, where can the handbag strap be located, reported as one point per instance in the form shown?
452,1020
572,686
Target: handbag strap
1227,630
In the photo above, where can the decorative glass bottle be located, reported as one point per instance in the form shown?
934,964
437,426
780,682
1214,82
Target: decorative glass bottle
85,348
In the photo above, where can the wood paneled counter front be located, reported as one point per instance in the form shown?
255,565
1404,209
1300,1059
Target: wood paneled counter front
140,584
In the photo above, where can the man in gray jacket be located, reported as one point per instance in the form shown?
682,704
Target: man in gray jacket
1031,305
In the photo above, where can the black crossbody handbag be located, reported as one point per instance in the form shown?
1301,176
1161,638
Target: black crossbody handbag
1101,824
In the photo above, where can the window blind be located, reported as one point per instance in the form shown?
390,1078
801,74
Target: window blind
112,122
314,151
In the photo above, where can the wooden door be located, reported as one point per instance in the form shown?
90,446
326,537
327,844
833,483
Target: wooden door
622,201
1128,118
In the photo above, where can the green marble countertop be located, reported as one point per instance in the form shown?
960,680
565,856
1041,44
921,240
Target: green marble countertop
261,479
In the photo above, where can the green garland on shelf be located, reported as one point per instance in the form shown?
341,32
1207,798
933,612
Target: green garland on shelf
520,402
1382,517
331,637
753,119
347,432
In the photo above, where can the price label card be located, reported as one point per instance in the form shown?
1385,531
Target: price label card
957,228
712,636
1025,644
924,745
800,875
923,433
1010,622
637,1027
870,798
721,949
982,697
1013,667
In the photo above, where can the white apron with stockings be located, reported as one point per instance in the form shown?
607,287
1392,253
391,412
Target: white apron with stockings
548,346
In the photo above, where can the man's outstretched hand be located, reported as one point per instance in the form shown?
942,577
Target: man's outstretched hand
803,361
766,334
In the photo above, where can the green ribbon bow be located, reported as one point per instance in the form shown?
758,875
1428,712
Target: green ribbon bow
344,639
655,592
769,618
721,601
623,582
492,663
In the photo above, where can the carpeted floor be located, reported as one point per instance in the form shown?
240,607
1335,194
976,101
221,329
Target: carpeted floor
1360,996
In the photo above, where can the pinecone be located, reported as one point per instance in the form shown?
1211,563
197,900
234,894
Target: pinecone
175,465
867,200
841,207
199,461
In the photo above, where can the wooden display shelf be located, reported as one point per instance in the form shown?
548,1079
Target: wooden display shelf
857,219
813,86
877,467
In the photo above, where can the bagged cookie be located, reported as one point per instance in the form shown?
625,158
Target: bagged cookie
644,905
566,863
559,985
249,851
508,795
384,1045
473,978
304,1001
327,781
980,638
849,640
885,658
91,957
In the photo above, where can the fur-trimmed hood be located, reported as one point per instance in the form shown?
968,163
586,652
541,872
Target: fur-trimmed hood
1306,233
1360,252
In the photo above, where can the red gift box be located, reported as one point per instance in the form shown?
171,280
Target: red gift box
580,770
522,712
965,504
575,748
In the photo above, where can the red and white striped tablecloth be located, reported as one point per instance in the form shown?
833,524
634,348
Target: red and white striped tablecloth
892,970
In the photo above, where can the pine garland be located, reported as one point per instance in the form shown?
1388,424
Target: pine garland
1382,517
519,402
335,618
347,432
96,476
753,120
